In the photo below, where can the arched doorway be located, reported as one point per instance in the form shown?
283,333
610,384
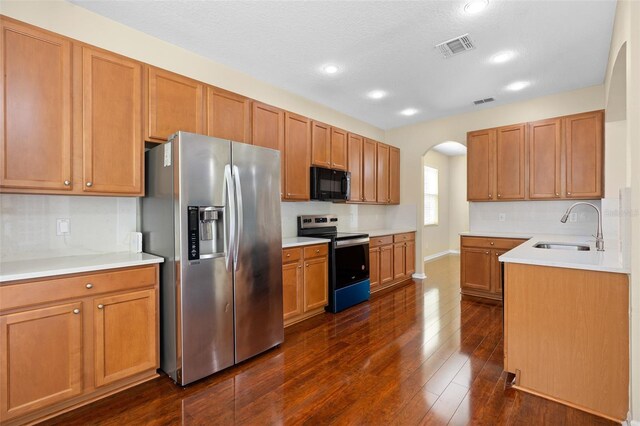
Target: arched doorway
445,206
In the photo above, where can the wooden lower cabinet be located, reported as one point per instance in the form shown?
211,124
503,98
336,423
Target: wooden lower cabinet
391,260
566,336
305,282
480,269
65,347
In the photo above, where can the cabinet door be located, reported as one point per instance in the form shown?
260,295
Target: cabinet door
173,103
584,147
338,149
320,144
316,283
480,165
40,358
545,159
35,149
297,158
292,289
399,254
354,155
382,173
510,151
475,269
369,164
394,175
374,267
267,131
386,264
496,271
410,258
112,123
228,115
125,332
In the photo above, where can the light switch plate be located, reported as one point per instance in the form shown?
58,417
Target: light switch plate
62,227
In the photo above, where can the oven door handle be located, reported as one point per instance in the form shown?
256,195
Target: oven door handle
349,243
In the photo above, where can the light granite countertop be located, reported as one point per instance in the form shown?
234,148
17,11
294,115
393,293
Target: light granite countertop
302,241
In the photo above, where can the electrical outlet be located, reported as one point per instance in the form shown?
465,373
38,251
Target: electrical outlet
502,217
62,227
573,217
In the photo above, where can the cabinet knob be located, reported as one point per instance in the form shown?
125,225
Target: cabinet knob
490,196
499,195
67,182
491,243
288,194
318,251
486,252
299,266
100,306
288,254
307,265
568,193
89,285
557,194
89,184
76,311
497,254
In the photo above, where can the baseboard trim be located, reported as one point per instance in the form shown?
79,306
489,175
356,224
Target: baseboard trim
419,276
440,254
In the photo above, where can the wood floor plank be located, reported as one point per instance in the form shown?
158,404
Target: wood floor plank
414,355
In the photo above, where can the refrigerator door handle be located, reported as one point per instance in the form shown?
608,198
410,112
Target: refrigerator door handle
230,218
238,236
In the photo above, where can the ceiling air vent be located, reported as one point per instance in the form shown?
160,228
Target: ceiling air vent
456,45
483,101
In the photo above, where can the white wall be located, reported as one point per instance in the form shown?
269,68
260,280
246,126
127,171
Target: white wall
97,225
417,139
458,204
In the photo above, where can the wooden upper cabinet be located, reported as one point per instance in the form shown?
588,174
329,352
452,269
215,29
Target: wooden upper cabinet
297,131
382,178
267,131
35,151
320,144
228,115
480,165
354,166
510,156
394,175
111,123
172,103
126,335
369,171
40,358
584,154
338,149
545,159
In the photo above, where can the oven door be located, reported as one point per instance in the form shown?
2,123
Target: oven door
351,261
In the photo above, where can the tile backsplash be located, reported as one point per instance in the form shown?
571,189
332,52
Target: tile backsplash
97,225
536,217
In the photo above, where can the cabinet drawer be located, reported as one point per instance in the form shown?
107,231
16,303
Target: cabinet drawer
74,286
316,251
485,242
407,236
291,254
380,241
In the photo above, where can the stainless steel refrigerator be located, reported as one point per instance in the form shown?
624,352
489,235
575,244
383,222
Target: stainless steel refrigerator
212,210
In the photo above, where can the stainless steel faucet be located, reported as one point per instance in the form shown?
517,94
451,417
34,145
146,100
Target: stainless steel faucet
599,237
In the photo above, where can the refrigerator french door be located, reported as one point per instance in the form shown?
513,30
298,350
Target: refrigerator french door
212,210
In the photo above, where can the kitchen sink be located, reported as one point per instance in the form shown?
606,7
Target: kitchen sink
563,246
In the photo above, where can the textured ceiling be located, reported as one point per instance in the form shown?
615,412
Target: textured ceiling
389,45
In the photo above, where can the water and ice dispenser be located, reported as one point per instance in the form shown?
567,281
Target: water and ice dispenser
206,232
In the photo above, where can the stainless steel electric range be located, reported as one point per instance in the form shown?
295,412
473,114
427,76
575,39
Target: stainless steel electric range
348,260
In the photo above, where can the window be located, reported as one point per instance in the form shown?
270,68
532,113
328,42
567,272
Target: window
430,196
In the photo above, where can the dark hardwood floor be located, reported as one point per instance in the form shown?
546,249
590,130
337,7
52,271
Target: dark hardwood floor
415,355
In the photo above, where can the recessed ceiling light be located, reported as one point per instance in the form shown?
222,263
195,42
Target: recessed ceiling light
502,57
376,94
475,6
518,85
409,111
330,69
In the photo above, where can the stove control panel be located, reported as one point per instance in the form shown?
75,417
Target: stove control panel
317,221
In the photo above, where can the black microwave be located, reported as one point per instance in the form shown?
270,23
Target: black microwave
329,184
